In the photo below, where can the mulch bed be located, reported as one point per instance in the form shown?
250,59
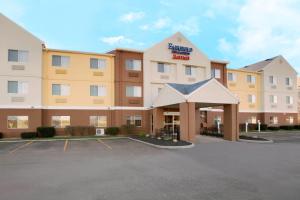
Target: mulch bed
161,142
245,137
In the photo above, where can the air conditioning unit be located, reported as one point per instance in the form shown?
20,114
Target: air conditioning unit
99,131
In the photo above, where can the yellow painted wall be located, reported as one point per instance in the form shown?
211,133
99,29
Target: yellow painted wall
242,89
79,76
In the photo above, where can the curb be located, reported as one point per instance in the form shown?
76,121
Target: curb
164,147
256,141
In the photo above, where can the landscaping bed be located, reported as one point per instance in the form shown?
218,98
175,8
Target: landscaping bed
245,137
161,142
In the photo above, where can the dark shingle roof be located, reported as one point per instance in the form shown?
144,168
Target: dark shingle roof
187,88
259,65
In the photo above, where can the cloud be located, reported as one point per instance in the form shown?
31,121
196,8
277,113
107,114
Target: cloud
224,46
189,27
121,40
132,16
269,30
160,23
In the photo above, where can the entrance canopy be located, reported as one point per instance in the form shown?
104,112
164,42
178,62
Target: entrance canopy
206,93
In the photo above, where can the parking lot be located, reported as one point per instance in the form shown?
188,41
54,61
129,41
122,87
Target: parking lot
125,169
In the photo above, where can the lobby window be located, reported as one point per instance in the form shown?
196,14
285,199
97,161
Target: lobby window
133,91
97,90
290,119
217,119
60,61
60,90
273,99
273,120
98,121
215,73
251,79
17,55
134,120
252,120
17,122
96,63
135,65
272,80
60,121
231,77
251,98
17,87
289,100
288,81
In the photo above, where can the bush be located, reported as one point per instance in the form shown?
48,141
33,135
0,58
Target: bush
80,130
112,131
45,131
1,135
297,127
142,134
28,135
128,129
251,127
290,127
263,127
273,128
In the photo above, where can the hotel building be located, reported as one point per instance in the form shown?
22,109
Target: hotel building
172,85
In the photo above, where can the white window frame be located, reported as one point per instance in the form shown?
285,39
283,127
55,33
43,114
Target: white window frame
133,65
289,100
132,120
60,118
137,91
290,81
101,90
97,121
22,88
18,122
252,79
290,119
274,80
273,120
63,91
273,99
251,98
216,73
22,56
64,61
101,63
234,76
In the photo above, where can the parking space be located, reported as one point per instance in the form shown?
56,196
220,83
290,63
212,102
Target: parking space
292,137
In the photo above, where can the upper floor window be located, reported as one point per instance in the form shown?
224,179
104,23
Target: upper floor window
272,80
98,121
60,121
133,91
97,90
251,98
60,89
231,76
289,100
134,120
17,87
96,63
216,73
60,61
251,79
273,99
288,81
163,68
190,70
132,64
17,55
17,122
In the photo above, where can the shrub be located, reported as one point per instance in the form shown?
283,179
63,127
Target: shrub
128,129
45,131
297,127
263,127
112,131
273,128
290,127
28,135
142,134
1,135
251,127
80,130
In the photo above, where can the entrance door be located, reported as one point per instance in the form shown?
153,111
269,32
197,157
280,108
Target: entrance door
172,122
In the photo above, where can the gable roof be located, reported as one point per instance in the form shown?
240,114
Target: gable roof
259,65
186,89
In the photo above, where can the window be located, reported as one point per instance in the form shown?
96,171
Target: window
251,79
290,119
132,64
158,90
96,63
134,120
98,121
97,90
188,70
273,99
289,100
17,87
231,77
252,120
217,119
17,56
60,61
251,98
17,122
133,91
163,68
60,90
216,73
273,120
288,81
61,121
272,80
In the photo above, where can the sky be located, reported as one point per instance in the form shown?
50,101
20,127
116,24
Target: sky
240,31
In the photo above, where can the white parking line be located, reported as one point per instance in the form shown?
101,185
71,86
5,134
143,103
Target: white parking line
106,145
20,147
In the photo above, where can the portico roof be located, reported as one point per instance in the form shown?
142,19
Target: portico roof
207,92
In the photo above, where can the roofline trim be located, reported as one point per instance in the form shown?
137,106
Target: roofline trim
78,52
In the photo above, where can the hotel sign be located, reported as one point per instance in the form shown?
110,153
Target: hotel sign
180,52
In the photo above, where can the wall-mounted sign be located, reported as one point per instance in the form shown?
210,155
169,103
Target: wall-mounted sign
180,52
